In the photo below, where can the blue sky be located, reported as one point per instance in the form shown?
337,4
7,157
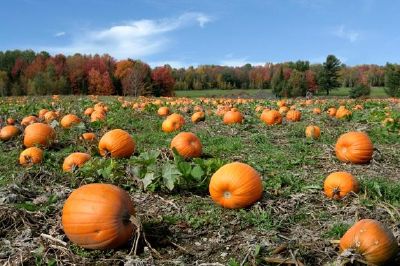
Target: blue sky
193,32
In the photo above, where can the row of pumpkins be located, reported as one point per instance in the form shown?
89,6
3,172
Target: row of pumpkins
101,216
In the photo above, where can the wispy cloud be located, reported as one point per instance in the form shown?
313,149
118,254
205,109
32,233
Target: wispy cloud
172,63
59,34
348,34
231,61
130,39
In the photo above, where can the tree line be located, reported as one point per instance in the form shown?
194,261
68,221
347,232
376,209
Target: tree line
30,73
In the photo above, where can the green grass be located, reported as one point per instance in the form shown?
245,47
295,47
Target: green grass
344,92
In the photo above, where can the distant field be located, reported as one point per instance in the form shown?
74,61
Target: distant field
342,92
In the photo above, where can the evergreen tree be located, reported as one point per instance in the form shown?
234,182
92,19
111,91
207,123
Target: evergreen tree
328,78
392,80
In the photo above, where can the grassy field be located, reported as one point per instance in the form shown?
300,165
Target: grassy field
341,92
184,226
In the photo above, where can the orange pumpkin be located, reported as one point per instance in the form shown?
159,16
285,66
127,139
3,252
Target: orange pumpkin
74,160
339,184
271,117
233,117
69,120
313,132
293,115
29,120
163,111
198,116
89,111
177,117
342,112
236,185
354,147
170,125
281,103
98,216
283,110
317,111
10,121
187,145
332,112
89,136
371,240
29,156
97,116
8,132
39,134
50,116
117,143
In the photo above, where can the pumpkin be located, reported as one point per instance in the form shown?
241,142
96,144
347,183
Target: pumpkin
354,147
98,216
42,112
293,115
29,156
317,111
281,103
97,116
163,111
39,134
233,117
235,185
339,184
88,111
283,110
187,145
50,116
74,160
69,120
313,132
117,143
271,117
170,125
10,121
29,120
198,116
177,117
9,132
371,240
342,112
88,136
331,112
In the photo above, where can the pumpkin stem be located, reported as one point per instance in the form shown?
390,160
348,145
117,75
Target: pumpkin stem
227,195
336,193
28,159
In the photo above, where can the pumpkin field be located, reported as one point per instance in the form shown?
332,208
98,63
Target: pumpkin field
199,181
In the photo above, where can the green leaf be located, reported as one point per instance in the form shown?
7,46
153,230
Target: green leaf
148,179
170,174
197,173
185,168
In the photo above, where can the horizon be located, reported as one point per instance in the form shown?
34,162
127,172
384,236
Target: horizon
187,33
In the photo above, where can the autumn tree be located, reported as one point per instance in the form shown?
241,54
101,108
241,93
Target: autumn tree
100,84
3,83
163,82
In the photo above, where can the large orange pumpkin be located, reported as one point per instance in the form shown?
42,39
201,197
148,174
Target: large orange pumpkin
236,185
117,143
8,132
313,132
187,144
29,156
293,115
271,117
370,239
74,160
39,134
339,184
69,120
233,117
98,216
354,147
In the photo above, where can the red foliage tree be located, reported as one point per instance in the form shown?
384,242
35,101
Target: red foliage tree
163,82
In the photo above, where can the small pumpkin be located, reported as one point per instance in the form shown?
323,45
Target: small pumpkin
371,240
74,160
10,121
69,120
170,125
88,111
317,111
39,134
88,136
177,117
29,120
342,112
99,216
313,132
50,116
332,112
283,110
354,147
198,116
236,185
117,143
271,117
293,115
233,117
9,132
338,184
163,111
187,145
97,116
29,156
42,112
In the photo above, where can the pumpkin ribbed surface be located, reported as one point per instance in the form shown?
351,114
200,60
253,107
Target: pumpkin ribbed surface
117,143
354,147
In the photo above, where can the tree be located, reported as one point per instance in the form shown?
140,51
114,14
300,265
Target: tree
297,85
278,82
137,80
392,80
3,83
328,79
163,82
100,84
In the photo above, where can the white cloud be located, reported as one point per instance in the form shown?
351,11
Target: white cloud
347,34
237,62
59,34
131,39
172,63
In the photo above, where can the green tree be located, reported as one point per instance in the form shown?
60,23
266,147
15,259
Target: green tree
278,82
297,84
392,80
3,83
328,78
